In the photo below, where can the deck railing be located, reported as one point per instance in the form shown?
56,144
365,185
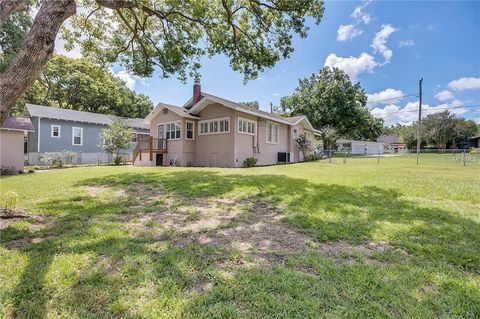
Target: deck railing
150,144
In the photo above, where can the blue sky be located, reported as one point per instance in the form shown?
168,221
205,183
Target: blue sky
387,46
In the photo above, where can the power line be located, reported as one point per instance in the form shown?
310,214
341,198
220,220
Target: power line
436,108
393,98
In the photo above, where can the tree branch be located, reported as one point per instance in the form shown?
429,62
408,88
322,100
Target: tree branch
7,7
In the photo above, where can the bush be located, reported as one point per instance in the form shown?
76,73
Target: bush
117,160
10,199
58,159
8,170
250,162
474,150
312,157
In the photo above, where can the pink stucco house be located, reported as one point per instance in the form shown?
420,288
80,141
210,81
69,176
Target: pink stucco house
212,131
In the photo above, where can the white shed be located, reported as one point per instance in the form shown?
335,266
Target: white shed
361,147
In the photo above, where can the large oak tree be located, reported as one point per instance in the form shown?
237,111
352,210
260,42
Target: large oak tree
170,36
330,99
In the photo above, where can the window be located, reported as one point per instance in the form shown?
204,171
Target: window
55,131
216,126
246,126
77,136
189,130
173,130
272,133
295,133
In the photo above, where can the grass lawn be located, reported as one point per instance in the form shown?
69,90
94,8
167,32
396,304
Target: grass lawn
310,240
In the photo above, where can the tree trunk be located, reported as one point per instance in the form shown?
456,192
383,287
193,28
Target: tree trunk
35,52
7,7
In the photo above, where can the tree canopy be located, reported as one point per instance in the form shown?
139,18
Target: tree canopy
149,35
329,98
80,85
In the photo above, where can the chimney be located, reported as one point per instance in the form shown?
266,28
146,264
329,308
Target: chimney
197,92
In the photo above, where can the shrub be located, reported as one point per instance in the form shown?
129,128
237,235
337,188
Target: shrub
10,199
8,170
58,159
250,162
117,160
312,157
474,150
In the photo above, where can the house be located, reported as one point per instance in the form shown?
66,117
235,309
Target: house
58,129
12,137
474,141
392,143
212,131
360,147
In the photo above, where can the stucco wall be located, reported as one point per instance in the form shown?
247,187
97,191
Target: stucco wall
11,149
215,149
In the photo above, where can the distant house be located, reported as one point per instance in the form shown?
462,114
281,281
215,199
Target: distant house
209,130
392,143
360,147
474,141
12,137
58,129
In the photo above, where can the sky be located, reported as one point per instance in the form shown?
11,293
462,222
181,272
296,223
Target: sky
385,45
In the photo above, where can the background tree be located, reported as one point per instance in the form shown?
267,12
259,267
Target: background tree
329,137
118,136
149,35
329,98
80,85
304,145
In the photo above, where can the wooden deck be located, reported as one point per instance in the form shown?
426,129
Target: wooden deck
151,146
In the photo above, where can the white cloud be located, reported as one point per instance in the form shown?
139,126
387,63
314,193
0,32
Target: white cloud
359,13
381,37
392,114
387,96
444,95
347,32
353,66
127,78
465,84
406,43
276,94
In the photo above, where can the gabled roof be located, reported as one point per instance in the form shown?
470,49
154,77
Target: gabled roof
294,120
17,124
389,139
80,116
208,98
183,112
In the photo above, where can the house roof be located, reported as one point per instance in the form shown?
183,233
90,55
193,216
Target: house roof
80,116
17,124
181,111
389,139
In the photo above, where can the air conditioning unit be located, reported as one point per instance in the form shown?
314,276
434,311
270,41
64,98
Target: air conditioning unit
283,157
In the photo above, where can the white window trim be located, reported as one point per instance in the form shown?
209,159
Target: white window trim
214,120
81,136
193,130
248,121
59,131
278,131
165,130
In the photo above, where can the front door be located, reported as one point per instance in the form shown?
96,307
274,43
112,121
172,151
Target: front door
159,160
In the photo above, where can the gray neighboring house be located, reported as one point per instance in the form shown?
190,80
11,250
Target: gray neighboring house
58,129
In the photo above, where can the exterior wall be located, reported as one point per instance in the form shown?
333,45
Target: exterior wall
268,153
145,161
245,145
11,149
88,153
215,149
174,147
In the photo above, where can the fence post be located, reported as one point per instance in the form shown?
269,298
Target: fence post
464,156
330,155
378,157
345,157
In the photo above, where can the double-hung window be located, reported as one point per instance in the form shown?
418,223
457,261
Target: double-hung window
173,130
55,131
215,126
77,136
246,126
272,133
189,129
295,133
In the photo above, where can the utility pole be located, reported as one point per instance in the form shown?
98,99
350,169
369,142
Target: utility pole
419,116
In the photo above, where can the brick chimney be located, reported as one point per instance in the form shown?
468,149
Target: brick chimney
197,92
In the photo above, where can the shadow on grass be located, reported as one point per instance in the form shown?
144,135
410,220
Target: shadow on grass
89,226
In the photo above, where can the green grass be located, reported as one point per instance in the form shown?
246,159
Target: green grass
101,243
